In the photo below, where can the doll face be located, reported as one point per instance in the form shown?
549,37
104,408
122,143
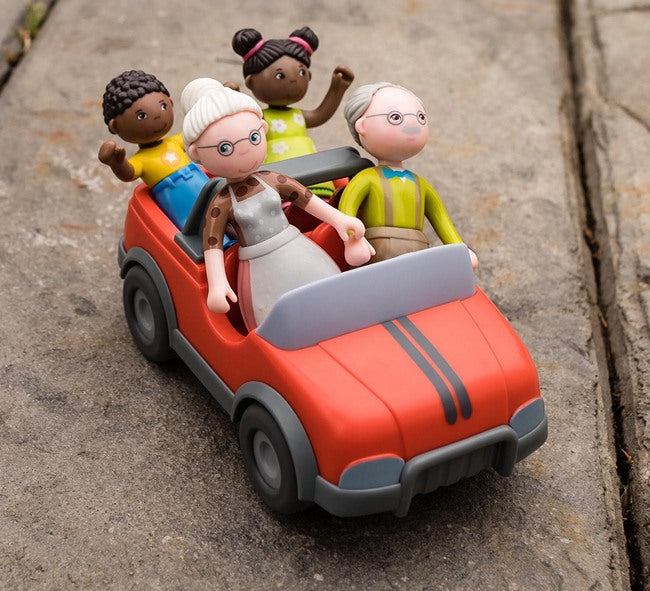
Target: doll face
147,120
233,147
394,126
282,83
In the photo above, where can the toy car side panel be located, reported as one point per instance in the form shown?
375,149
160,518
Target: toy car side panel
342,417
148,227
210,334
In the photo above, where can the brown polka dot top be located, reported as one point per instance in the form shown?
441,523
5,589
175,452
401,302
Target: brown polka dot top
220,210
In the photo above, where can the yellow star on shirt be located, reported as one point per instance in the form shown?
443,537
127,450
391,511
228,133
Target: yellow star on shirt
170,157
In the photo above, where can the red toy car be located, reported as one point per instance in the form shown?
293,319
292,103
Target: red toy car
358,391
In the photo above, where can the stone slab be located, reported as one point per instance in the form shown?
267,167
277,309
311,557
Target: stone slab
615,47
117,473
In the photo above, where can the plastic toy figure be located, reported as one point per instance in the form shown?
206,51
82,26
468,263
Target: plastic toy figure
391,124
277,73
137,107
224,131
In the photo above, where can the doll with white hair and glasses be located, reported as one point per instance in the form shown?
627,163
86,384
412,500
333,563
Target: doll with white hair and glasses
224,131
390,123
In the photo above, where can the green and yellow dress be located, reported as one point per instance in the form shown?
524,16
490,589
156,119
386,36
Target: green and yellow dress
287,138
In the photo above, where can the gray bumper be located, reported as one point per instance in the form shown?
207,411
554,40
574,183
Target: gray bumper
499,448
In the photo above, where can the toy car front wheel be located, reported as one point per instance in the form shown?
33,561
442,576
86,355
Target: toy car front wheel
268,460
145,315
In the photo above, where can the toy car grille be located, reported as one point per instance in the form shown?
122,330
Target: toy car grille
496,448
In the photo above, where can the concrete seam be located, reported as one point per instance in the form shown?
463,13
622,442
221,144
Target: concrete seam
626,9
634,116
11,50
589,136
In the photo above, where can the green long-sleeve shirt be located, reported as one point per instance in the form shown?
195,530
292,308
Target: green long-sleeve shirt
400,201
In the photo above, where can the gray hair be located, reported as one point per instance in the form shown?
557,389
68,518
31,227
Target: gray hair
359,101
205,101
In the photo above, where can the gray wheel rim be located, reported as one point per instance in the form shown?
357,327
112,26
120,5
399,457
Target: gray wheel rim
144,315
267,460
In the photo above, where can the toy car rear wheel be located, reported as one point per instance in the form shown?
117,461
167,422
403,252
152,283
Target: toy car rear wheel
145,315
268,460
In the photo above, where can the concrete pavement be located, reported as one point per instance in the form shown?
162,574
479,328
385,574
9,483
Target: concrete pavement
612,63
117,473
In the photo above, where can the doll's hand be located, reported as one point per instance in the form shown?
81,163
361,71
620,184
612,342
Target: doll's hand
232,85
111,154
218,298
342,77
358,251
348,227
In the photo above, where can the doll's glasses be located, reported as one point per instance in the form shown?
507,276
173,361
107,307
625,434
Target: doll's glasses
226,148
396,117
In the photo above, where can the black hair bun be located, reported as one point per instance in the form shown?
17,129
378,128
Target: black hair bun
306,34
244,40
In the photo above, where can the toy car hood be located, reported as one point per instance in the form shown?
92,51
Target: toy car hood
433,362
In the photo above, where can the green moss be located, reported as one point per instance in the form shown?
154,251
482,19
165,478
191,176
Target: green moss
35,13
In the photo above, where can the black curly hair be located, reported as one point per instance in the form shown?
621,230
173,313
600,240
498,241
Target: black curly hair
273,49
123,90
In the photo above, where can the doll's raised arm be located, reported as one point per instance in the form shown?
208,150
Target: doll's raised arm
115,156
342,77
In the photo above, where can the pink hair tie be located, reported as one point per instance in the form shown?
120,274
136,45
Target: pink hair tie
254,49
302,42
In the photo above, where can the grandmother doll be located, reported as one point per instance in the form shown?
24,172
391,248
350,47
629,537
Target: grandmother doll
224,131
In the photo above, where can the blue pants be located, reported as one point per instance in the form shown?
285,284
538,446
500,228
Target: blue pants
176,193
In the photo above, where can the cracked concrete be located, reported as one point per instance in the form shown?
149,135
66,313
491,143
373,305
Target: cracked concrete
116,473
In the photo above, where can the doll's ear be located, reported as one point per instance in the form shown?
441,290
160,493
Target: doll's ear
309,75
265,126
360,125
248,81
193,152
112,126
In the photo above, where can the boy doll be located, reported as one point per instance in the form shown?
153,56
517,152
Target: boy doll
138,109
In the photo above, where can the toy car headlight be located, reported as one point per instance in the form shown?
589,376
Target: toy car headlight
372,473
527,417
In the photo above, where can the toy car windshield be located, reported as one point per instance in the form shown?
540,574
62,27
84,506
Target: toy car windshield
396,287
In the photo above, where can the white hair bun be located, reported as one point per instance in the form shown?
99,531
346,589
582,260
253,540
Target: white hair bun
196,89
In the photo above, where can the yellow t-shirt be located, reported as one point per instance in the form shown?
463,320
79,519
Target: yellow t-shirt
156,163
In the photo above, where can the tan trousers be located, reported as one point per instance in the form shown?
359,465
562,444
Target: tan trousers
390,242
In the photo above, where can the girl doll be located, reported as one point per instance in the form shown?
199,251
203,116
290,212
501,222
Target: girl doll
277,73
224,131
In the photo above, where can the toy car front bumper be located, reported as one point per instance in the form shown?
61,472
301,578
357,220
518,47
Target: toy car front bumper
499,448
